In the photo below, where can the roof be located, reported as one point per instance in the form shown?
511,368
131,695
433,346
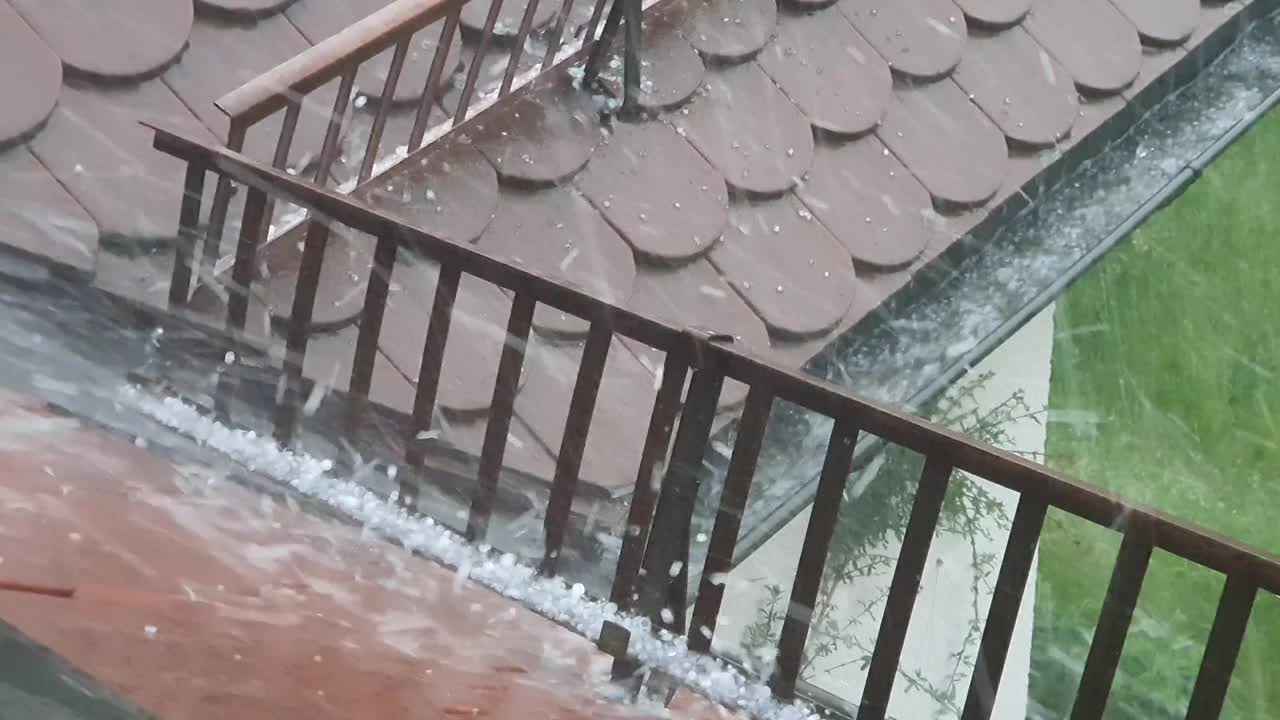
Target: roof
197,597
800,165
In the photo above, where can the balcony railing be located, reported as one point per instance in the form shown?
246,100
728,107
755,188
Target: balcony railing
660,512
285,89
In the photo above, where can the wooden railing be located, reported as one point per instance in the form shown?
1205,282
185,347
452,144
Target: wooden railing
285,88
660,513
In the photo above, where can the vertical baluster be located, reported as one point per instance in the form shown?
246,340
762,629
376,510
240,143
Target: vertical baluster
648,479
329,151
304,297
813,556
582,407
517,50
903,589
304,300
501,409
1006,600
375,306
221,203
188,231
1223,648
733,502
614,638
669,535
473,72
1113,625
424,402
593,25
384,107
280,159
434,76
252,224
555,40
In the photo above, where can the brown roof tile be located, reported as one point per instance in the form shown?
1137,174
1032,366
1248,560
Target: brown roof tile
476,335
955,151
616,438
38,216
242,9
524,452
122,40
450,191
920,38
870,201
541,139
672,70
344,276
995,13
730,30
30,77
745,127
1091,38
672,293
224,55
1019,85
557,233
657,191
829,71
125,184
328,362
1162,22
787,266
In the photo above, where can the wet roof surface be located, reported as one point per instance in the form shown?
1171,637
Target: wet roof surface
196,597
800,163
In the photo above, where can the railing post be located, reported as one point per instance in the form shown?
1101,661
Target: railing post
823,517
473,72
434,76
1006,601
1113,625
582,407
501,409
613,637
221,202
384,108
555,40
375,306
429,369
1223,648
664,589
188,232
517,48
904,587
242,271
733,502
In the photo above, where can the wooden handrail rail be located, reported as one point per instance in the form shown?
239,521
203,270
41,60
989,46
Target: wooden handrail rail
319,64
1023,476
329,204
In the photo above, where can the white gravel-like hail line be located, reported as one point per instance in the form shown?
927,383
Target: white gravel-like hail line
552,597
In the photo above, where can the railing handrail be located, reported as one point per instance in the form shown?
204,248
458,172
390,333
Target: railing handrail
1023,476
321,63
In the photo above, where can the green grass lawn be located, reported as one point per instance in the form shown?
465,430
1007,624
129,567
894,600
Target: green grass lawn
1166,389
